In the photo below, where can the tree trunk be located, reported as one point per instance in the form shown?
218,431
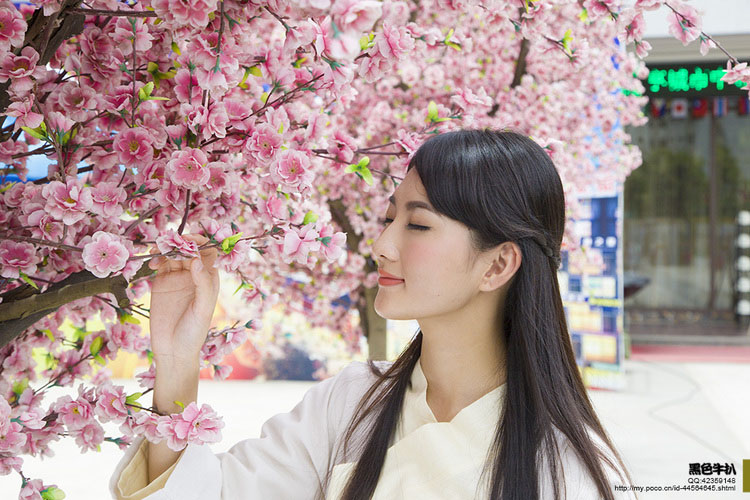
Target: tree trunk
374,326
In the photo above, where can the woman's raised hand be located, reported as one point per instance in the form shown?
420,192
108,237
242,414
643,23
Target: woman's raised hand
183,298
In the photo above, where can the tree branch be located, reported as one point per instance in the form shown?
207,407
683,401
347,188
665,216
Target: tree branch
18,315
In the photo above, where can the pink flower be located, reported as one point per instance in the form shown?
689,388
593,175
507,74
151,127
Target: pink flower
373,67
293,168
17,257
105,254
172,241
336,44
90,436
239,256
32,490
10,464
394,42
198,426
74,414
333,244
44,226
182,13
685,25
737,73
633,24
187,168
58,122
298,243
264,143
357,15
110,404
127,336
13,439
24,115
134,147
107,199
16,68
77,101
12,27
186,87
342,146
67,202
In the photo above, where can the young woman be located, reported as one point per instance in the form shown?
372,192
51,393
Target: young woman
486,401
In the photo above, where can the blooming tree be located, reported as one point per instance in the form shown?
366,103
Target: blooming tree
276,129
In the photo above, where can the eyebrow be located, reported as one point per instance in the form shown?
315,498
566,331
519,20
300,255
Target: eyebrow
411,205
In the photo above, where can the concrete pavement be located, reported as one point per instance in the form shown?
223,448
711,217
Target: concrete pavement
671,414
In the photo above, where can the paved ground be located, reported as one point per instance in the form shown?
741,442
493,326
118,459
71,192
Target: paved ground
670,415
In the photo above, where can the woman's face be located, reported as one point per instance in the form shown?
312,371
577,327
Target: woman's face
431,253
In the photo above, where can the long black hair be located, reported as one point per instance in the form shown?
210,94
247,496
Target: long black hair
503,187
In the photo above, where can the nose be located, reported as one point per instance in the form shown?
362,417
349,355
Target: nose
384,247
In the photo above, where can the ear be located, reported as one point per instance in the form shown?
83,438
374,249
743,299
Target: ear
505,261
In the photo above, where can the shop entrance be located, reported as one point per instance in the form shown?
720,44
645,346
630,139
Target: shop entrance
680,211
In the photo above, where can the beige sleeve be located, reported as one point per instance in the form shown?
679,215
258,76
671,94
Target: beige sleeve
133,482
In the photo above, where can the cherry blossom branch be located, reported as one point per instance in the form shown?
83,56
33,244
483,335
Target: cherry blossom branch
121,13
703,34
185,214
16,316
37,241
280,19
141,217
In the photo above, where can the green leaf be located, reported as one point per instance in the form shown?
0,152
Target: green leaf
351,168
20,386
133,398
242,285
35,132
150,355
249,324
227,245
366,41
432,111
99,359
180,404
52,493
28,280
176,49
129,318
96,345
49,335
255,71
325,240
309,217
366,175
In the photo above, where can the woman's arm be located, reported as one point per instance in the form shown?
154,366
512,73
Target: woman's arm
176,380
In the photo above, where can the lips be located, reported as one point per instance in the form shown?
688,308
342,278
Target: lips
387,279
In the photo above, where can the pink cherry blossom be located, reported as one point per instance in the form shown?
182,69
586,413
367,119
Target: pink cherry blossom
17,257
299,243
179,13
107,199
74,414
187,168
44,226
12,27
105,254
198,425
264,143
394,42
110,403
134,147
171,241
332,243
10,464
89,437
32,490
357,15
67,202
292,167
24,115
736,73
685,23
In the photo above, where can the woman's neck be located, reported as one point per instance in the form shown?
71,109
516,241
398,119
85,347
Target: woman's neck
462,359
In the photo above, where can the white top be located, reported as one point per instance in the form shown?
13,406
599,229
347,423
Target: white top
428,460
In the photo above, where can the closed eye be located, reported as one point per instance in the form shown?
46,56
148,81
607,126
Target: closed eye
411,226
